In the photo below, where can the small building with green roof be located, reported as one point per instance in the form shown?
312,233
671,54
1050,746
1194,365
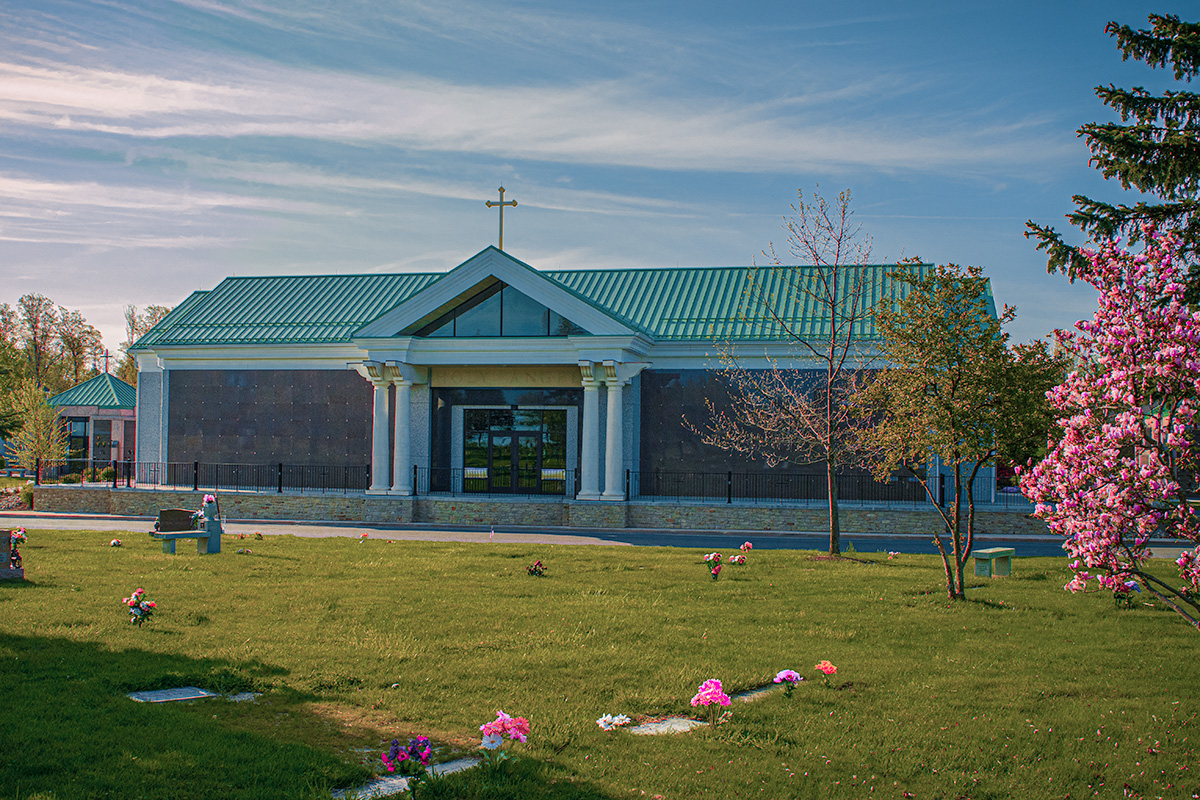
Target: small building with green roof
493,376
100,415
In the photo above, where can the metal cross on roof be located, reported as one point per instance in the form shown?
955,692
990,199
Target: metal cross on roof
501,204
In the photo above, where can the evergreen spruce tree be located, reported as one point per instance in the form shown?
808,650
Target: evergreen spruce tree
1155,149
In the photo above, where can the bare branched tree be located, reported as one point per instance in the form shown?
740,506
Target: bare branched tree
817,300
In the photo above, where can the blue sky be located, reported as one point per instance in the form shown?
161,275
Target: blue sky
149,149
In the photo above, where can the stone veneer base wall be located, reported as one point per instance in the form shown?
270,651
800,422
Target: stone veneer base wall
506,512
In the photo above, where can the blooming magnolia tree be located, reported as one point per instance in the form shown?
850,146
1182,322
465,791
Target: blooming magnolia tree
1125,464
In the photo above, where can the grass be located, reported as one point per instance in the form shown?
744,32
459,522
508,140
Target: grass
1023,690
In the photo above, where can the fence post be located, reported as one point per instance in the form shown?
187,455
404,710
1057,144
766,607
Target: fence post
195,476
114,469
37,472
414,480
626,486
279,475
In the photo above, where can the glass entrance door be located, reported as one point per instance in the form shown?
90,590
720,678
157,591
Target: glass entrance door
514,461
514,451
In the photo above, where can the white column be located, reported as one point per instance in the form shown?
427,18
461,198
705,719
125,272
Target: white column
401,459
379,439
589,455
614,463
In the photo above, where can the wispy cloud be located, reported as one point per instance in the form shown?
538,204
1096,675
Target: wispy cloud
611,122
64,196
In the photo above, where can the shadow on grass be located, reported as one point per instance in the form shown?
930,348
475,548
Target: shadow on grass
71,731
518,779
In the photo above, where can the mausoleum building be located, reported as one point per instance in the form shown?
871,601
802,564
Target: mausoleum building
492,377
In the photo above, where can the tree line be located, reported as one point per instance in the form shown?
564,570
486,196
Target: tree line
46,349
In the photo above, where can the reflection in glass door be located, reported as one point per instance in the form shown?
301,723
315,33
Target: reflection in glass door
500,462
515,450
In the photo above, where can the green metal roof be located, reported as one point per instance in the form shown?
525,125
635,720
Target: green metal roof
736,303
680,304
284,310
103,391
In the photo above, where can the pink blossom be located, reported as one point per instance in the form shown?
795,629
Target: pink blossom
1127,414
711,694
826,667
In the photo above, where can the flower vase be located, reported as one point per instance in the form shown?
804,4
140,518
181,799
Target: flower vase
213,527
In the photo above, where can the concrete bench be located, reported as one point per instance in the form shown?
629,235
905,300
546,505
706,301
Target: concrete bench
994,562
202,541
180,523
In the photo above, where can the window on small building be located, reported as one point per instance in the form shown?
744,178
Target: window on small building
102,440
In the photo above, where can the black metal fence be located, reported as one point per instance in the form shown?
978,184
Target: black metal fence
196,475
787,489
707,487
767,487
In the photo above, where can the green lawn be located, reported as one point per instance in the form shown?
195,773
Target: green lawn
1024,690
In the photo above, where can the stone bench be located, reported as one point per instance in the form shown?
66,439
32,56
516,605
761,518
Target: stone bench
995,562
202,541
180,523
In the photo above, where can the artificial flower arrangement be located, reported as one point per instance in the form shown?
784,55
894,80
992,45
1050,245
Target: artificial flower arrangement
827,668
610,723
746,547
14,555
362,537
713,562
537,569
738,559
141,608
1123,593
409,761
712,695
199,515
493,736
789,678
115,543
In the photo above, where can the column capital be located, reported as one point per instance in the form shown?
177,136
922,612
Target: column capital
619,373
385,373
399,373
592,374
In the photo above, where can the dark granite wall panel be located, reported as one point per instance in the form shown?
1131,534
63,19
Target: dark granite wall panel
305,417
667,445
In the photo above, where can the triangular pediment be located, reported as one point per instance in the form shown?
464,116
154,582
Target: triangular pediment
477,279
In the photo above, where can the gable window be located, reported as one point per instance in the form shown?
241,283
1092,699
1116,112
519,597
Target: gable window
500,310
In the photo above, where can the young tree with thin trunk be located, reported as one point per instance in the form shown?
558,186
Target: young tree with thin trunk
955,390
41,434
817,301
